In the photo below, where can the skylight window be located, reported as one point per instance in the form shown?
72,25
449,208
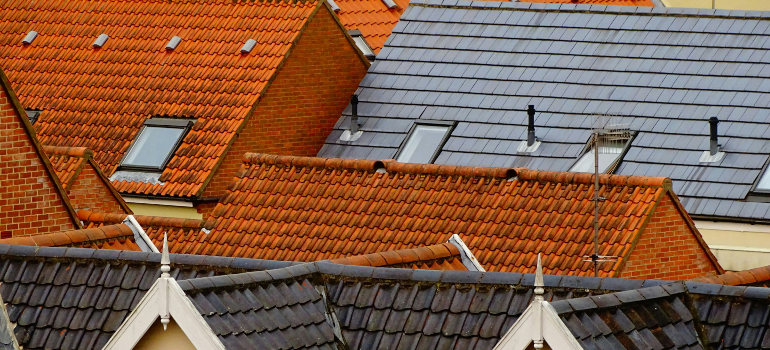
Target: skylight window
32,115
612,145
764,182
155,144
424,143
358,38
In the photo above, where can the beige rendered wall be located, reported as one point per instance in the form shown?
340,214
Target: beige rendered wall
760,5
158,339
164,210
737,246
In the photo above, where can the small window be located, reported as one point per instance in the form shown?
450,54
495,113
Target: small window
612,145
32,115
155,144
764,182
424,143
358,38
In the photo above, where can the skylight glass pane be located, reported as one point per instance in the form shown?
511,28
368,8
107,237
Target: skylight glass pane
607,156
152,146
422,144
764,182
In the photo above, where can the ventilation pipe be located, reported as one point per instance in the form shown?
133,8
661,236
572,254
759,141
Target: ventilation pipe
714,146
354,117
531,126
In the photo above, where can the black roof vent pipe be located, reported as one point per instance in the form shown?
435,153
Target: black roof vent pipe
354,117
714,143
531,126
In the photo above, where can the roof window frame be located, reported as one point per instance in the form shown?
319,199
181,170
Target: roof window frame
168,123
618,160
450,125
367,51
755,190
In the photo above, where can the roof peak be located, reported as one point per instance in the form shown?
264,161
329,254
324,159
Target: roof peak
626,10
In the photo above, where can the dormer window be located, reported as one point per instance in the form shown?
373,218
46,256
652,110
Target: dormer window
32,115
358,38
612,144
155,145
424,143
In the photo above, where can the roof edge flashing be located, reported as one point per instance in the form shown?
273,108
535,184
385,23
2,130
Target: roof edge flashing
29,38
468,259
707,157
142,239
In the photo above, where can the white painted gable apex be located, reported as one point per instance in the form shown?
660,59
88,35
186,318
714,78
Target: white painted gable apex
163,301
538,325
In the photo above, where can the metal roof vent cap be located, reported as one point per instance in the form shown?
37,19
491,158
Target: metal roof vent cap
248,46
352,133
390,4
100,40
173,43
714,154
531,143
29,38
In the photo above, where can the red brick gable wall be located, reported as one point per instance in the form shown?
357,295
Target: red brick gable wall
303,103
89,192
668,249
29,200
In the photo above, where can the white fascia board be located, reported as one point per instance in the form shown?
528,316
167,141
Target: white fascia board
142,239
148,311
166,202
469,260
554,331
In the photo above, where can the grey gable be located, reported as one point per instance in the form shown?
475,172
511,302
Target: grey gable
663,71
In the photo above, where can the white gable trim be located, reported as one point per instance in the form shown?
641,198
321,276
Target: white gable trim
468,259
151,308
538,320
140,237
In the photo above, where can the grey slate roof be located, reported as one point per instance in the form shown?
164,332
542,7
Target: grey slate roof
663,71
76,298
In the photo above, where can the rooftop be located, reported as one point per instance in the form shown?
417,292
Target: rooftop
661,72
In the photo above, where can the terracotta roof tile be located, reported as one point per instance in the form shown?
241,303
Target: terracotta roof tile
99,98
444,256
759,277
310,209
114,237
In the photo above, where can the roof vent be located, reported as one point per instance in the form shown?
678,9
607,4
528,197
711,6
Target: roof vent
100,40
29,38
531,144
173,43
352,133
713,154
248,46
390,4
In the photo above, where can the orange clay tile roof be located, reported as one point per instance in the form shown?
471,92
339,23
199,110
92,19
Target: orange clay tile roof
99,98
758,277
177,229
309,209
444,256
69,162
114,237
598,2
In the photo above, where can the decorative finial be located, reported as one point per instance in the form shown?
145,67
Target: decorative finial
539,280
165,262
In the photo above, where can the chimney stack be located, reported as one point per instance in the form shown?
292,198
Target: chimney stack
354,118
714,146
531,127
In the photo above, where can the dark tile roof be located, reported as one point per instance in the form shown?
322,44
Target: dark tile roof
407,309
663,71
75,298
311,209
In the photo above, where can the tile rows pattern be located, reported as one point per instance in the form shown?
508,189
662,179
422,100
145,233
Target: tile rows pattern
758,277
114,237
282,315
310,209
99,98
738,320
443,256
177,229
75,298
661,71
650,318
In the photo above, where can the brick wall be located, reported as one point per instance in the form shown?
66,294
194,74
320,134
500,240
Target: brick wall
91,193
668,249
303,103
29,201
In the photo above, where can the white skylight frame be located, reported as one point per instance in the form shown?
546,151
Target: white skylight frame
610,157
437,131
179,128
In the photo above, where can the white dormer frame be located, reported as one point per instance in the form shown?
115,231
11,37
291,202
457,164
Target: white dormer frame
538,325
165,300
